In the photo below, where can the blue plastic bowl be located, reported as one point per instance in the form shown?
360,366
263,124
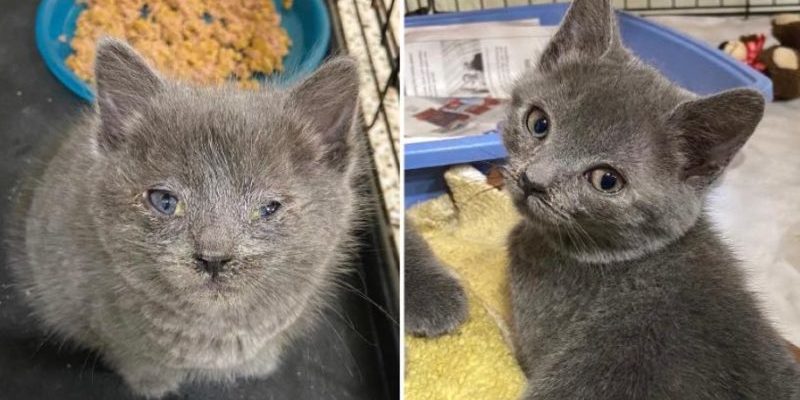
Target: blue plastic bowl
307,24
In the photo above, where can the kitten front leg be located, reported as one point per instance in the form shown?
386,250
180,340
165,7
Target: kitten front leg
435,301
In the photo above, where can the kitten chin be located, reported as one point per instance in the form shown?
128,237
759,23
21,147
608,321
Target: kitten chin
191,233
591,242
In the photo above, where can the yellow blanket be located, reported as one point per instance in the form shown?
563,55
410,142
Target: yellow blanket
467,232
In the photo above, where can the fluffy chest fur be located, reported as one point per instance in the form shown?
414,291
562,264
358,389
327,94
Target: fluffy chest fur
676,322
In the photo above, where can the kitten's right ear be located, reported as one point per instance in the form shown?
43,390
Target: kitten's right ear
125,83
588,31
329,99
712,129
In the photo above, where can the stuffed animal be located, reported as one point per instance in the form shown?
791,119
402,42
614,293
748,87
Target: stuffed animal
783,62
780,63
747,50
786,28
783,67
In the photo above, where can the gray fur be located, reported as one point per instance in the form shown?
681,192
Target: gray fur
435,302
105,271
631,295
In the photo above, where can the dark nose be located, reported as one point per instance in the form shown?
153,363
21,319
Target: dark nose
212,264
529,186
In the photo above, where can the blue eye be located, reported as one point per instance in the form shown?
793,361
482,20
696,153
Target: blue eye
268,209
537,122
606,180
162,201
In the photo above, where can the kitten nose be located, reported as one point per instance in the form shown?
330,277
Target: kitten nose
529,186
212,264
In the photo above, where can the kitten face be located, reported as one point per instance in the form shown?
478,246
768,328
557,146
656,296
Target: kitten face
600,146
596,127
220,199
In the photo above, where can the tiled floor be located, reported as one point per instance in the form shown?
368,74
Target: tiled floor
757,205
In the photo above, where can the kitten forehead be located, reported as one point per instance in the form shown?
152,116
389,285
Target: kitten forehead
601,111
220,147
190,120
630,84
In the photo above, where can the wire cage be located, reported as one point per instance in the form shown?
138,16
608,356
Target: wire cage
371,32
644,7
383,14
368,30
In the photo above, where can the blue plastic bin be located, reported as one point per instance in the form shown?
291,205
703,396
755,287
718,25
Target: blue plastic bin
687,62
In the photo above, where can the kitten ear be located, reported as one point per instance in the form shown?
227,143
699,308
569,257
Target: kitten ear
125,83
329,98
588,31
712,129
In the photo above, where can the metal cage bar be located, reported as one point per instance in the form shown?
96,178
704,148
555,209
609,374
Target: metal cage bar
371,30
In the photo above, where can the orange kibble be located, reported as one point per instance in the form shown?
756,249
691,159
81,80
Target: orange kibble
201,41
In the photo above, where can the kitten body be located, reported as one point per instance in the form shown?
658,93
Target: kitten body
620,287
675,324
102,267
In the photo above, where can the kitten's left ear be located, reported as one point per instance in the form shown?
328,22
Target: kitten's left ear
588,31
712,130
329,98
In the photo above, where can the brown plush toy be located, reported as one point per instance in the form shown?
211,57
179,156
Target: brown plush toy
786,28
783,62
783,67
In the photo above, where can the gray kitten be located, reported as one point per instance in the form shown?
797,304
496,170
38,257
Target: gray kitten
190,233
621,289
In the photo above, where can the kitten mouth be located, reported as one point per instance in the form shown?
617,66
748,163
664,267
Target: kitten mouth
220,281
212,284
540,209
532,201
217,285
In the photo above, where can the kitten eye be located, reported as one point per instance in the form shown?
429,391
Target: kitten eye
268,209
537,122
164,202
606,180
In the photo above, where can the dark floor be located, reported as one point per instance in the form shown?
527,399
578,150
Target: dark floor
351,356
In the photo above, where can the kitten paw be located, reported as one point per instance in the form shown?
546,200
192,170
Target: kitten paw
437,306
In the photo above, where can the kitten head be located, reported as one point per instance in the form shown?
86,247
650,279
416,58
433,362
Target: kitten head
608,158
217,198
